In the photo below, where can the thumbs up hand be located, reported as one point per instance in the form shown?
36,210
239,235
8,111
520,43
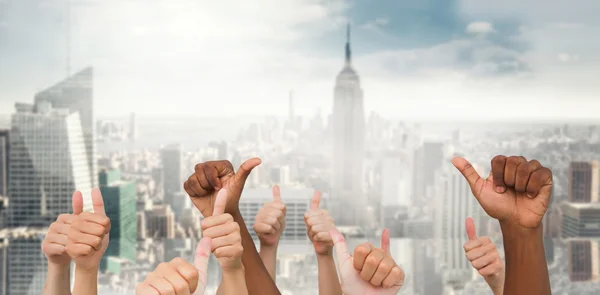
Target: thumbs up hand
89,235
58,235
225,235
179,277
484,257
270,220
318,225
370,271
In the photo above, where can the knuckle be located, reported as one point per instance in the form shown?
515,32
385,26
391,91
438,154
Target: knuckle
372,260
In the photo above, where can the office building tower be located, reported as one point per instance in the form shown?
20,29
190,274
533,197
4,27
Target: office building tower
583,182
26,265
3,262
4,153
428,158
120,202
76,94
348,124
395,181
48,163
160,222
172,176
584,260
580,220
133,132
141,225
455,204
297,202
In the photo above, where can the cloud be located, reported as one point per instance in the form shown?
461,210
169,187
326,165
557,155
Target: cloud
375,24
565,57
480,28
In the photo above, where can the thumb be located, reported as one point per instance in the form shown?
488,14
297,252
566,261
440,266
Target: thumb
77,203
316,200
276,193
340,246
467,170
470,226
220,202
201,259
385,240
244,171
98,202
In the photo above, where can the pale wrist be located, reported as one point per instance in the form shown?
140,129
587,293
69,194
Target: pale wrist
233,271
58,267
325,256
268,247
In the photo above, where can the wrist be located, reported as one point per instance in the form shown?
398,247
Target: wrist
59,267
233,271
325,256
88,271
268,248
512,232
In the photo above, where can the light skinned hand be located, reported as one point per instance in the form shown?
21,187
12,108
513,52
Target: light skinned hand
57,237
179,277
516,191
209,177
375,273
224,233
270,220
484,257
318,225
89,235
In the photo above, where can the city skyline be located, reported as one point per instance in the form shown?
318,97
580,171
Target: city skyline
462,56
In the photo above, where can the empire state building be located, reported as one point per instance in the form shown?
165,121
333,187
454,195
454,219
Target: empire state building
348,199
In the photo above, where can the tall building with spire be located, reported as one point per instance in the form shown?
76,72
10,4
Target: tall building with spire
348,125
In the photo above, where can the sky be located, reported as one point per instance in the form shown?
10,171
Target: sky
417,59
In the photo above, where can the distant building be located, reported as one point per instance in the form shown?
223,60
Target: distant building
580,220
584,182
4,153
297,201
584,260
172,172
427,160
133,132
3,265
26,266
48,163
120,201
455,204
348,122
76,94
160,222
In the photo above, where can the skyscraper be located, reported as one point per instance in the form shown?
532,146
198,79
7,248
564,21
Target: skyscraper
348,144
48,163
172,177
428,159
583,182
4,152
120,198
456,203
75,93
26,265
132,127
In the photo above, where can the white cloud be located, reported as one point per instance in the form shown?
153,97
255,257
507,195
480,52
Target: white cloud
565,57
480,28
376,24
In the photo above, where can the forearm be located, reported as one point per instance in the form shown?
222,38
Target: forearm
526,267
268,255
258,280
233,283
58,280
86,282
329,284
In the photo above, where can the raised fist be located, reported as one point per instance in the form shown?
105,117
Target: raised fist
270,220
318,225
209,177
517,191
89,235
